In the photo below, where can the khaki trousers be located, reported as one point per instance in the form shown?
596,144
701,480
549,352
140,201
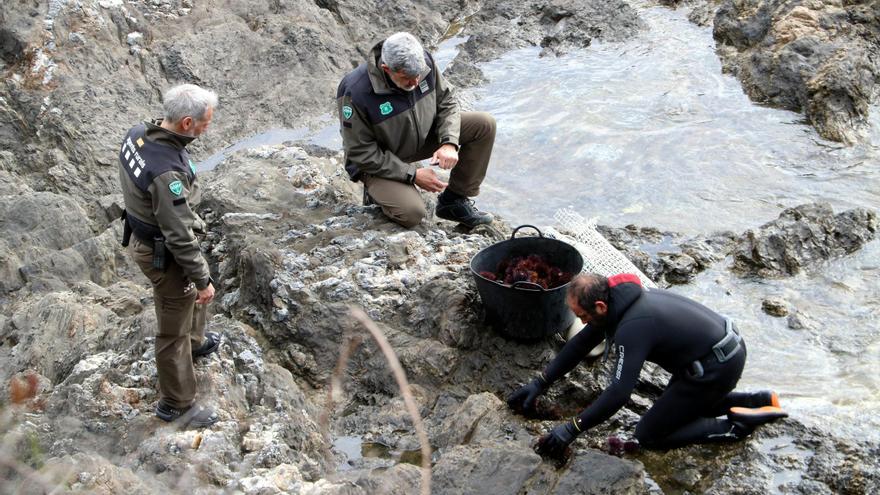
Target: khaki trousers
181,326
402,203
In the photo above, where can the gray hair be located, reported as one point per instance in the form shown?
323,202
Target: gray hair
402,52
188,100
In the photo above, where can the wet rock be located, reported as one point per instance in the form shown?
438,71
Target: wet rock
557,26
510,468
815,57
775,307
479,469
703,13
800,321
667,257
678,268
595,472
479,419
801,237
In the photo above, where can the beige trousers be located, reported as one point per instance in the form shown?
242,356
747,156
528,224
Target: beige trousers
402,203
181,326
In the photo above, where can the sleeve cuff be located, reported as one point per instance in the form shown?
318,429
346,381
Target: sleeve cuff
449,141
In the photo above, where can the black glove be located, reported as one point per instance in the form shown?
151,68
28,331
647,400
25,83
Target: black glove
554,445
523,400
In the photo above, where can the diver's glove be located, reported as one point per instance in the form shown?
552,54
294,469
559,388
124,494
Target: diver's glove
523,399
554,445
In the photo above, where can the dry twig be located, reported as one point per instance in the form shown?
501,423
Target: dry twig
399,375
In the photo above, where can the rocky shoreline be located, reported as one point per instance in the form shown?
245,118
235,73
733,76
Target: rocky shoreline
292,250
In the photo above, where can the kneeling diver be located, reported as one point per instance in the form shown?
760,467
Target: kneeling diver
702,349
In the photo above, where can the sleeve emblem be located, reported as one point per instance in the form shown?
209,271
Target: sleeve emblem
346,112
176,187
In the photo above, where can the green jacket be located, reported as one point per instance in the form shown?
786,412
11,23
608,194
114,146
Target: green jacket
159,188
383,127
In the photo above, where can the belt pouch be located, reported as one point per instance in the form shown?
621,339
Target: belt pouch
159,261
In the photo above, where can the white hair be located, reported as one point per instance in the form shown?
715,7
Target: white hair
402,52
188,100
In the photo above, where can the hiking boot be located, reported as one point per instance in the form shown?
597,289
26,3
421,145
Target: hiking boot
754,416
462,211
195,416
209,345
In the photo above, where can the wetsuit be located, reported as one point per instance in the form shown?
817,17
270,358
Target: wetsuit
672,331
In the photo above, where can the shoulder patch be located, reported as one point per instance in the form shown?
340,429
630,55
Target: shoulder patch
192,166
386,108
347,111
176,187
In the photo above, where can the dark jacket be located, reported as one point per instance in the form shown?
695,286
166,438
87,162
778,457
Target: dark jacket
643,325
159,188
383,127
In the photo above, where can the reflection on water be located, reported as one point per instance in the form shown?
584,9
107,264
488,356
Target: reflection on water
321,134
650,132
354,450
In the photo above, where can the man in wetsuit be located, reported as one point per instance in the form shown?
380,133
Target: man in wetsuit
398,109
160,191
700,348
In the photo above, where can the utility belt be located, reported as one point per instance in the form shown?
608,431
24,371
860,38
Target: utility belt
722,351
149,235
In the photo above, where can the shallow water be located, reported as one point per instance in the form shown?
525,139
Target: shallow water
650,132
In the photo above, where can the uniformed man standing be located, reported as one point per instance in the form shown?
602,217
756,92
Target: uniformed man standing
160,190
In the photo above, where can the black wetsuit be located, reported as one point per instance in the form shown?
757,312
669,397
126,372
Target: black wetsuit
672,331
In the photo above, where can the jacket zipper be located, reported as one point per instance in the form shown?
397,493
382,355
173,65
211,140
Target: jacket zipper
412,104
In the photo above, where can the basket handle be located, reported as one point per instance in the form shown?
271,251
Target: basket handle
512,235
527,285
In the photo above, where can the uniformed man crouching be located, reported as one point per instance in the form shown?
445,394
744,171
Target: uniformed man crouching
160,190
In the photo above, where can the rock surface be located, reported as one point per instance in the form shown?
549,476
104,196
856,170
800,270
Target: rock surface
802,237
820,58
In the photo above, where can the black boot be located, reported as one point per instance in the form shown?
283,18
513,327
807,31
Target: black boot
209,345
451,206
195,416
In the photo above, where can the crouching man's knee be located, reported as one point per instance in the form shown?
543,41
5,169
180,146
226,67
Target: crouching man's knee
408,216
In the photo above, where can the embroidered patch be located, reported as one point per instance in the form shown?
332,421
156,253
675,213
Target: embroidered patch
386,108
192,166
140,142
423,86
346,112
176,187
